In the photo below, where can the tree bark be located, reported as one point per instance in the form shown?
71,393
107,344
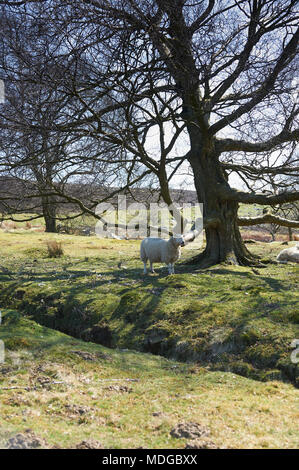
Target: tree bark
224,243
49,214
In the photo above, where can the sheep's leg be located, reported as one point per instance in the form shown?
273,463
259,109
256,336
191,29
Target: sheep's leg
170,267
144,269
151,267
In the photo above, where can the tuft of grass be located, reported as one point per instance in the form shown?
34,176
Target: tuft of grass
54,249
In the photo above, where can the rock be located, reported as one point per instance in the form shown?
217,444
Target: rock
87,356
189,430
77,409
6,370
26,440
119,388
201,444
89,444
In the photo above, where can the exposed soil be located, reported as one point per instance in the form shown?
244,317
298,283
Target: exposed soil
119,388
26,440
201,444
89,444
189,430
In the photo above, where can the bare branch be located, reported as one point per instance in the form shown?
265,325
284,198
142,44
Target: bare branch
231,145
287,55
230,194
267,219
198,22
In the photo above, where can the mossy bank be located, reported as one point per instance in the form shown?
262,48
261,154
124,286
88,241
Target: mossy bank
57,391
227,318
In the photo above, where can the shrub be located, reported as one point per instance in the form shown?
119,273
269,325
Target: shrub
54,249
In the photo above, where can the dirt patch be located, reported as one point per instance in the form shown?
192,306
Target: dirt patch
6,370
189,430
87,356
119,388
201,444
43,381
43,376
159,414
26,440
89,444
17,400
77,410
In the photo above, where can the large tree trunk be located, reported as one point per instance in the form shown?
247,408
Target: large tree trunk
224,242
49,214
223,238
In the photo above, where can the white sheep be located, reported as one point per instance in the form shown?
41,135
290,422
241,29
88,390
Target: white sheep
157,250
289,254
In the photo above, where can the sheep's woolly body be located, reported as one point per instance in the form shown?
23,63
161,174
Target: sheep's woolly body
289,254
157,250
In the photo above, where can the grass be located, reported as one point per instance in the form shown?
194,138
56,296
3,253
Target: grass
227,318
47,387
220,342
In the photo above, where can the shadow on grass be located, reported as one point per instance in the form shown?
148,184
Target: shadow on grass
138,310
17,332
272,283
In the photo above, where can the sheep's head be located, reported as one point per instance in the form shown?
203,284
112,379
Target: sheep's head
178,241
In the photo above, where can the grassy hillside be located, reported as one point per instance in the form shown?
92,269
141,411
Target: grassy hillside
56,391
226,318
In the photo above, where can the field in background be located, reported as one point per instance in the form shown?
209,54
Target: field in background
85,225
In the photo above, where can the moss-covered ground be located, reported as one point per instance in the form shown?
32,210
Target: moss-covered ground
209,346
67,391
227,318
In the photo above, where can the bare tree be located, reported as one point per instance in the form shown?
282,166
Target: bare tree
231,68
42,165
